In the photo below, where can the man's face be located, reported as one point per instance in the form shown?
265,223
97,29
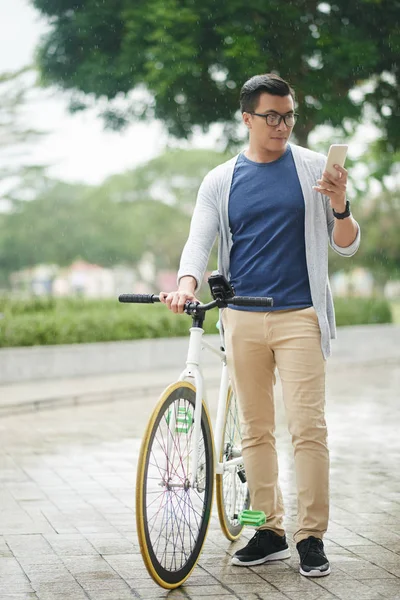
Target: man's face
270,138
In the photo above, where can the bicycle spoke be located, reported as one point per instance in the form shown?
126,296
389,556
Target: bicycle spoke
233,493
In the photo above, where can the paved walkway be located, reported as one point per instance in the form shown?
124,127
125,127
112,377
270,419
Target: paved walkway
67,528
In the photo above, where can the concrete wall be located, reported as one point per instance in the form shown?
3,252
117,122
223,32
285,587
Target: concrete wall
75,360
359,344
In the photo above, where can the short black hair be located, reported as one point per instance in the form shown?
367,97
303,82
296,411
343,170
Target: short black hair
261,84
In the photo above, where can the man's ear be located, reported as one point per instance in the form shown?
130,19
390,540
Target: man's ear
247,119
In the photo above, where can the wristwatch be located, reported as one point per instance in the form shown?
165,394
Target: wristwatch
342,215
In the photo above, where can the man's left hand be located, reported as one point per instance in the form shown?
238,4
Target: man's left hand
334,186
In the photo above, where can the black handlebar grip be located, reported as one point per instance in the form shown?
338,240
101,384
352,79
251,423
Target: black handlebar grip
251,301
139,298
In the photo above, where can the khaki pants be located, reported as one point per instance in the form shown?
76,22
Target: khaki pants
256,342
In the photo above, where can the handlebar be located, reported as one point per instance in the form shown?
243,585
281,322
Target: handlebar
139,298
192,307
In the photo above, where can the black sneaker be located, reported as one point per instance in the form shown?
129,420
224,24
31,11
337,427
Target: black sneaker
313,561
265,545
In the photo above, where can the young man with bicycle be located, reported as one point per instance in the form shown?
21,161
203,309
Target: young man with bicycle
275,211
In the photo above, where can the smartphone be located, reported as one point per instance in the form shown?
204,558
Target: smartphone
336,156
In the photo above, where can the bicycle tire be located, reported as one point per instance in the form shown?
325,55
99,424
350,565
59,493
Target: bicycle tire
168,571
231,438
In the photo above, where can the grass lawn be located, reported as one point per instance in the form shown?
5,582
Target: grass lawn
395,306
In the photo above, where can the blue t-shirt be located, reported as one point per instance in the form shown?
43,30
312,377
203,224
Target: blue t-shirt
266,219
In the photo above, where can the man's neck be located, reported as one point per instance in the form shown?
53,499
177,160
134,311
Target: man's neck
261,155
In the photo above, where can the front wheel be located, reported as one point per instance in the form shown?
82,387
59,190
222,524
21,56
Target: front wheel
231,487
172,515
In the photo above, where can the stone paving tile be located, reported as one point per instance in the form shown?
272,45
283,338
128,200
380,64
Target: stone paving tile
85,567
378,556
241,589
62,596
59,593
129,594
125,565
27,596
70,545
387,587
28,545
349,589
9,566
293,581
213,597
247,596
316,594
152,590
363,570
9,587
111,545
44,573
40,559
5,551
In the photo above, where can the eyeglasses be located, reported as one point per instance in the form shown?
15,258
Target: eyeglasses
274,119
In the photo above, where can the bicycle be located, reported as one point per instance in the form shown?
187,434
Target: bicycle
179,456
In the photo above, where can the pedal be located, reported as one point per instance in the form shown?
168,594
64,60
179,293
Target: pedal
184,419
252,518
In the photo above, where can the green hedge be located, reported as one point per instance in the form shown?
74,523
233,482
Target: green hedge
41,321
362,311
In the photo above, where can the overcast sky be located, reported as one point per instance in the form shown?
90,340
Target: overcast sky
77,146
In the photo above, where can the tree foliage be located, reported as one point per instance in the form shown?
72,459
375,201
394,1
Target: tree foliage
117,222
380,250
194,56
17,172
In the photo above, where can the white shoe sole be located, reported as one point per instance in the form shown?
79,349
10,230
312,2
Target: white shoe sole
315,573
282,554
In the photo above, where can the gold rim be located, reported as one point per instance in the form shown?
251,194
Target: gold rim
219,488
140,484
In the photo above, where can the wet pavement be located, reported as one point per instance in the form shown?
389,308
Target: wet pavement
67,527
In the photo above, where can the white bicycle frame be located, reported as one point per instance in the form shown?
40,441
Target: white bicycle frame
193,371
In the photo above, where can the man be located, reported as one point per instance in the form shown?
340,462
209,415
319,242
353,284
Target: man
275,210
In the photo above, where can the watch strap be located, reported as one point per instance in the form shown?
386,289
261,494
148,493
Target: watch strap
342,215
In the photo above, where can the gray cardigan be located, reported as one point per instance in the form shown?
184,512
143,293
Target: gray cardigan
210,218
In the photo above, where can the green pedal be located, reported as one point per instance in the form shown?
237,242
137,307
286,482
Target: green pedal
253,518
184,419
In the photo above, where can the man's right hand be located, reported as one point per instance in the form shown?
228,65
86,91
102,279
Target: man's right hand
176,300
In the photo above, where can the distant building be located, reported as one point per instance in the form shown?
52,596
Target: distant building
36,281
79,279
358,282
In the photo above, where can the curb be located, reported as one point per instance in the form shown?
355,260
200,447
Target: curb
55,402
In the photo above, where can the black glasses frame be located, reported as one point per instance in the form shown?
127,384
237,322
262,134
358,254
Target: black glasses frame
284,117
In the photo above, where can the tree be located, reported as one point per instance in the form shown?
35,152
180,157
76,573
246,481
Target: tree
117,222
193,57
172,178
380,250
74,221
17,173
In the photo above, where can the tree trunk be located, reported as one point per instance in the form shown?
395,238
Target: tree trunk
302,131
